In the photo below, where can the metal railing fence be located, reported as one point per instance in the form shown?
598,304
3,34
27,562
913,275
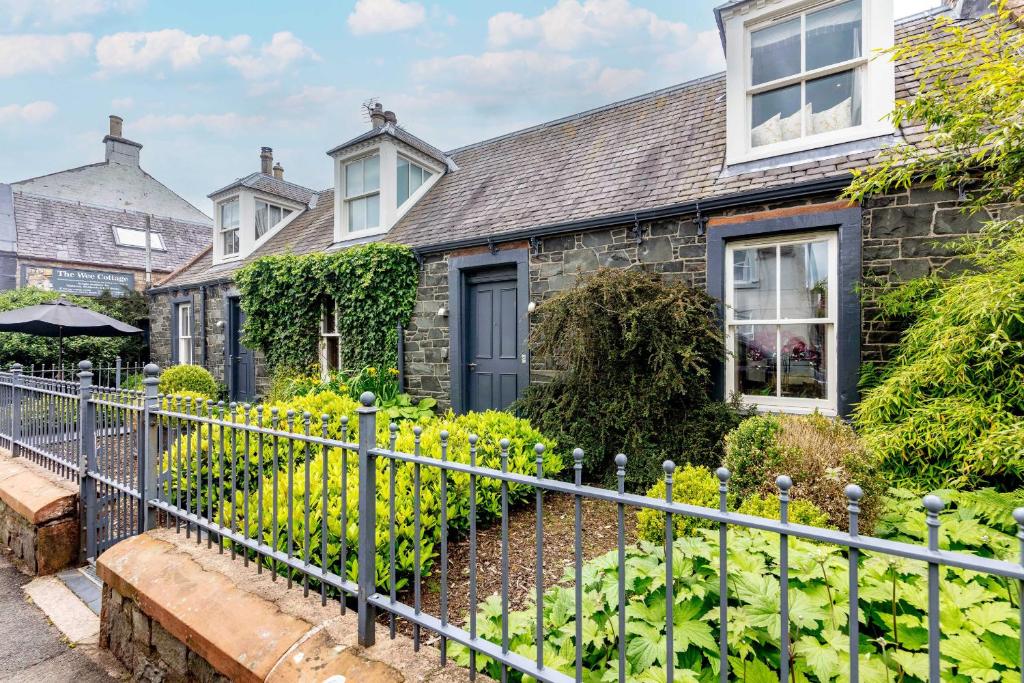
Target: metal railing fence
300,496
111,374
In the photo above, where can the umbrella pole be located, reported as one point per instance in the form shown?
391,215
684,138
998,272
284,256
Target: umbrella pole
60,351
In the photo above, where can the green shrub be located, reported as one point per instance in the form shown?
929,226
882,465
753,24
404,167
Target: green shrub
980,632
820,454
192,378
690,485
634,354
237,464
699,486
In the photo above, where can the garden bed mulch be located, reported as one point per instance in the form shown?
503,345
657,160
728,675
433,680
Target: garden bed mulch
600,534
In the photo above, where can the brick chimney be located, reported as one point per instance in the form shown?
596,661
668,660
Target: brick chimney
266,160
279,171
377,117
120,150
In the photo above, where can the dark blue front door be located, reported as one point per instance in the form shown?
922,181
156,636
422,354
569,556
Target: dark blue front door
492,335
241,365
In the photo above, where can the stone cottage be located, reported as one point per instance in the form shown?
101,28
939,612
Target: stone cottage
730,182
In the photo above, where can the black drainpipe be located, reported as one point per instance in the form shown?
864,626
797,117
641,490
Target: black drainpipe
202,319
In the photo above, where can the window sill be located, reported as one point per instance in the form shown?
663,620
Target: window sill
810,148
794,409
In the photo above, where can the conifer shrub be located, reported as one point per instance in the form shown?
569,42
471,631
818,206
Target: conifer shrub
634,355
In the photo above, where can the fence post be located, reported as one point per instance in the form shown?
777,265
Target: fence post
16,381
367,520
117,372
87,456
150,460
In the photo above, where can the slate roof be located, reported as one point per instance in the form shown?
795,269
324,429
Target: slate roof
61,230
657,150
262,182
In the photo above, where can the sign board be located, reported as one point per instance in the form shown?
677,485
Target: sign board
80,282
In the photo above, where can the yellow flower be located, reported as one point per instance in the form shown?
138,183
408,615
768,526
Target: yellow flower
372,371
394,371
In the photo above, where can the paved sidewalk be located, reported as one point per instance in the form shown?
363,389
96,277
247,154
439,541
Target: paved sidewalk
32,649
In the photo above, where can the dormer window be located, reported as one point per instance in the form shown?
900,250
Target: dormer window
229,219
410,176
362,193
268,215
800,75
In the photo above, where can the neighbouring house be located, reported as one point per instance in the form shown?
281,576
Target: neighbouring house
730,182
105,226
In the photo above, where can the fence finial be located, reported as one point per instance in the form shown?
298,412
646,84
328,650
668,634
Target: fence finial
723,475
151,369
854,494
367,398
85,366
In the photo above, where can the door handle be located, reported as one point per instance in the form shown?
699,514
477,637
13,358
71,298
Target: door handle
471,366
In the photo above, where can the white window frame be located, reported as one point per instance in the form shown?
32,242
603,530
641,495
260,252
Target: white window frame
183,312
778,403
222,232
412,193
286,212
326,337
156,240
349,199
877,80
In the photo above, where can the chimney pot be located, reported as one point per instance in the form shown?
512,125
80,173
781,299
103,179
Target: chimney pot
116,126
377,116
266,160
390,117
279,171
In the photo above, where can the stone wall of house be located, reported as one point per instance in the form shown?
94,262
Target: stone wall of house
908,235
905,235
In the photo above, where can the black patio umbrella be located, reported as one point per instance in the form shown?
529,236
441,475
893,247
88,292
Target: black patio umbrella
61,318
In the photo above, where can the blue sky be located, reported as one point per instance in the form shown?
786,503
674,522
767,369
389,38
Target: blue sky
202,85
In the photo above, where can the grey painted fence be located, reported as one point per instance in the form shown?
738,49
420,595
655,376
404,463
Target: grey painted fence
143,460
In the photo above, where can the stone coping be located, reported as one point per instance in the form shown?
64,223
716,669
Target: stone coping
249,627
34,493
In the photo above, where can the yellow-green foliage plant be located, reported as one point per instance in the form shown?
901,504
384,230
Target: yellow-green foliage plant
194,378
244,473
699,486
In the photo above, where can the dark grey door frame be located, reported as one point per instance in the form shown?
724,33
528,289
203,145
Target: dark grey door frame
847,222
458,269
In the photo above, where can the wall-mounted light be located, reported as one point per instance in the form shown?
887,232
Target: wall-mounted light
531,307
219,325
442,312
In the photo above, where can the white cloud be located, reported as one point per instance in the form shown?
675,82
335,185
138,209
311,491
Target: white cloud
572,24
33,112
28,53
219,123
704,48
45,13
136,52
122,102
384,16
275,57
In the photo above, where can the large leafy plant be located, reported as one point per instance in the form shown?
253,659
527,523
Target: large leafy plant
979,613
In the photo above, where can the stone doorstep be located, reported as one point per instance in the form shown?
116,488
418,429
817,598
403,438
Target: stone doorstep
249,627
38,496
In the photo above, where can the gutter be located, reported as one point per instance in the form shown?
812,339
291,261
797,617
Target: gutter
793,191
729,201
